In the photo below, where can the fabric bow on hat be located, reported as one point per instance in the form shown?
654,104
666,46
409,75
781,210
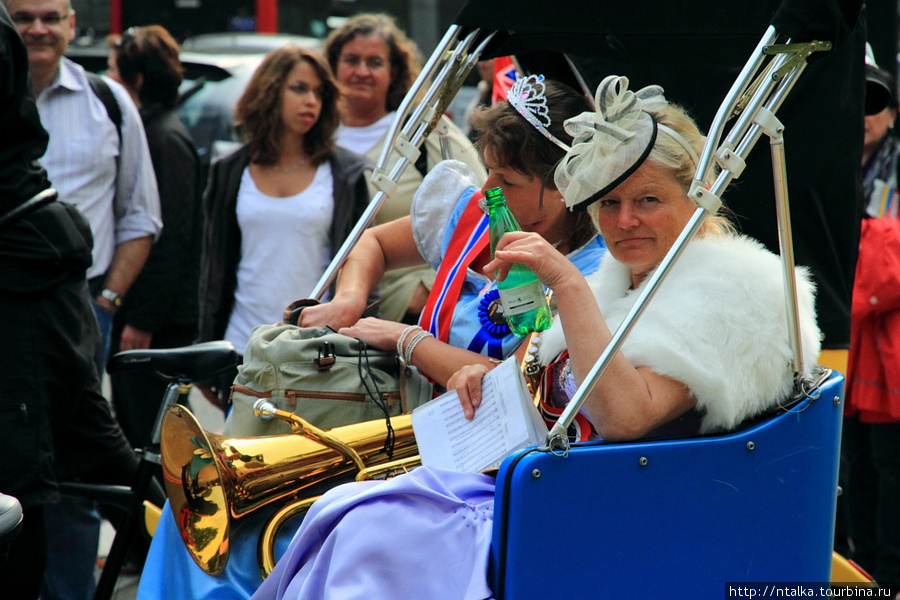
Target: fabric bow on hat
610,143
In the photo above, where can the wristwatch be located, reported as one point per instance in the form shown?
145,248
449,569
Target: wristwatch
114,298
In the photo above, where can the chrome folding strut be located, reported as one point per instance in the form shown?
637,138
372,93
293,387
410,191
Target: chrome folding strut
417,116
753,102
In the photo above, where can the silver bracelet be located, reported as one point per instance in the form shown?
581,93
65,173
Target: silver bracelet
412,344
403,337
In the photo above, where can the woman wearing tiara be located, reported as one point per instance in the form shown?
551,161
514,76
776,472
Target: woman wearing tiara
521,142
521,146
710,348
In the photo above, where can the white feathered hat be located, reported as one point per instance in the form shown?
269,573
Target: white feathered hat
611,142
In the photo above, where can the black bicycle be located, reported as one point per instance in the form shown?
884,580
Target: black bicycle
180,367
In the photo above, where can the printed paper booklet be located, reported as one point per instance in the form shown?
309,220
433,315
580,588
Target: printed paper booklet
506,421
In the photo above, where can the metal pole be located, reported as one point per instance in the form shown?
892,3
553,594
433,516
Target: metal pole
765,97
395,133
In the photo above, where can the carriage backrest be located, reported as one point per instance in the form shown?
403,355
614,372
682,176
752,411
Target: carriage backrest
681,517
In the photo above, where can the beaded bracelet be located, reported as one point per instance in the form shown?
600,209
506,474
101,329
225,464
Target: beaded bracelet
403,337
413,343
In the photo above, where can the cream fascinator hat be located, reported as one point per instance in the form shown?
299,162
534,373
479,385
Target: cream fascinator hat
612,142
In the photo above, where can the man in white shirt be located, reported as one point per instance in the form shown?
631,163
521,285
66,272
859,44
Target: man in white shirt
105,170
111,181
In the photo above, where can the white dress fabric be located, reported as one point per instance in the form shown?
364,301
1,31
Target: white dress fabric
717,324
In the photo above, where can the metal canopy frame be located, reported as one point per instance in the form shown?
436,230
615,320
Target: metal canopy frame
754,98
418,115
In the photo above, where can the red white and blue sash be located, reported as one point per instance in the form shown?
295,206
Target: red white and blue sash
470,237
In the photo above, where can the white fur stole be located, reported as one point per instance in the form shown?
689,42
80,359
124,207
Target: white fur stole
717,323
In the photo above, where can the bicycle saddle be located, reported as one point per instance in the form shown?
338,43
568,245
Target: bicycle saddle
192,362
10,518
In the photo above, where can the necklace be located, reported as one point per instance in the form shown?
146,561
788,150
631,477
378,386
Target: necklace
290,168
563,241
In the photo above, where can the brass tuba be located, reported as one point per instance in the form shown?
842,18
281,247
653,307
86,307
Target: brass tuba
211,479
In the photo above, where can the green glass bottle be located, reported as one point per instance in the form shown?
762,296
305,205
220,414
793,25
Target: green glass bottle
524,300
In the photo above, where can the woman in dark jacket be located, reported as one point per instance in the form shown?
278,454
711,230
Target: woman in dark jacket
278,209
160,310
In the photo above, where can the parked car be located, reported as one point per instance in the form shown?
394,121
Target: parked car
217,68
212,86
246,43
89,52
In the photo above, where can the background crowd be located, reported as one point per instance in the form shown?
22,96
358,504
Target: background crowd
116,150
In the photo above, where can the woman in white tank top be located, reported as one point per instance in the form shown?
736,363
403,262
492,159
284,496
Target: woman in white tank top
277,208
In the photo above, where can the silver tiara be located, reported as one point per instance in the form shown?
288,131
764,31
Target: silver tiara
527,97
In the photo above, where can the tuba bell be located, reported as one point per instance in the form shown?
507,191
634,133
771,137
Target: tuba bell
211,479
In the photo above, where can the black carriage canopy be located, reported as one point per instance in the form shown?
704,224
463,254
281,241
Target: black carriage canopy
695,51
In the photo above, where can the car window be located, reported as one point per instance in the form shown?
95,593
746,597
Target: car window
208,112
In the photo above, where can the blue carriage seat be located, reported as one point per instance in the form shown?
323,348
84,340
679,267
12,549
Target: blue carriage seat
674,518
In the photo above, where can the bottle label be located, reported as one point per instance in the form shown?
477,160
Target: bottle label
522,299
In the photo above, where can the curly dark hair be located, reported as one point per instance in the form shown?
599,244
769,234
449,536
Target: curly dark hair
516,143
404,54
513,142
150,53
258,112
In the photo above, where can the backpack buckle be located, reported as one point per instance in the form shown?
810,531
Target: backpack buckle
326,359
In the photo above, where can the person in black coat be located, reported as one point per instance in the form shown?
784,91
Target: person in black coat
160,310
54,422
